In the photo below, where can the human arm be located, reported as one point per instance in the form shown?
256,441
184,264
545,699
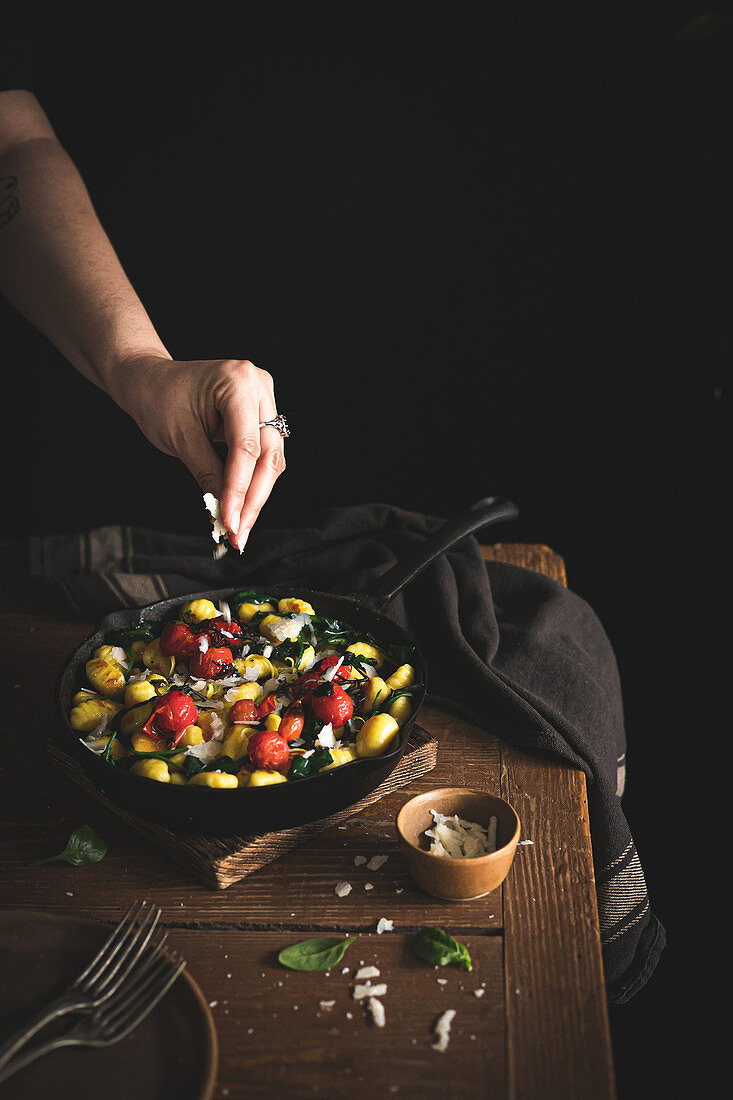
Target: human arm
61,272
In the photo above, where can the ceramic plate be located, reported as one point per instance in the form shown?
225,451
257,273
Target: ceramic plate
172,1053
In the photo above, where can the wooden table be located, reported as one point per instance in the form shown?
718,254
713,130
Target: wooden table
531,1018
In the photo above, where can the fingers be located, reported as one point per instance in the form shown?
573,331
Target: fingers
254,460
270,464
202,462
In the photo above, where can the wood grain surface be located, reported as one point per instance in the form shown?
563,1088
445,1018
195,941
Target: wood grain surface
540,1027
217,862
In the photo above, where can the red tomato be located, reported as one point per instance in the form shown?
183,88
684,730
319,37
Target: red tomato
292,722
268,750
213,662
330,703
179,641
305,683
267,705
224,632
171,716
243,710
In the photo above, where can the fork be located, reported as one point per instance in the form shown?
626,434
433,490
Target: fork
118,1016
104,975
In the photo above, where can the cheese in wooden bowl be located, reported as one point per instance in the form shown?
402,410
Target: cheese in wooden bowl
458,843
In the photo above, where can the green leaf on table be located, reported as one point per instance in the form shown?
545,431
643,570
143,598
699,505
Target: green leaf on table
320,953
84,846
436,947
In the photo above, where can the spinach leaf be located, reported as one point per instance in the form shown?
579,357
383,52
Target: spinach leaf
84,846
107,754
251,595
225,764
383,704
320,759
320,953
436,947
124,637
298,768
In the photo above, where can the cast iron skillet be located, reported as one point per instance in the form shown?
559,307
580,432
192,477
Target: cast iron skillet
209,812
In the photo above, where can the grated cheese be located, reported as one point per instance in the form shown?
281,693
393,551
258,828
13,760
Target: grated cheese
384,925
342,889
455,838
326,738
441,1027
218,529
360,992
377,1010
376,862
289,629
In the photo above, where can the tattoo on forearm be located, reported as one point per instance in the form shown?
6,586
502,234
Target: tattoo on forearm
9,205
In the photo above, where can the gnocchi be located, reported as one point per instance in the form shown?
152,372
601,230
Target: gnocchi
255,692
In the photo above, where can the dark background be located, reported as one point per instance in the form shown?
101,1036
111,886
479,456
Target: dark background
482,253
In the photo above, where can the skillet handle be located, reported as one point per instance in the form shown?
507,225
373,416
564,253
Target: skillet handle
481,514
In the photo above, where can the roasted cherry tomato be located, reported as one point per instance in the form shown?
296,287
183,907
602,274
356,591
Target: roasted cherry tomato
221,632
179,641
330,703
292,722
267,705
213,662
244,710
305,683
171,716
266,749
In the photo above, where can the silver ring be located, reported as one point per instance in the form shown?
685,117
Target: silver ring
279,423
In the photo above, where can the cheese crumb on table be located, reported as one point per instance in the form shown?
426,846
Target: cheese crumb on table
342,889
442,1027
376,862
384,925
366,972
359,992
377,1010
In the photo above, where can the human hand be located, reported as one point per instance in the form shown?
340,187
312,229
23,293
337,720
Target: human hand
182,408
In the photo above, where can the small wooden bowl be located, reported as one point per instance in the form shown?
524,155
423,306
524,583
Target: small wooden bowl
457,879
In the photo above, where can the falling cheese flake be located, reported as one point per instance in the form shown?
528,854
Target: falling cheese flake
441,1027
218,529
